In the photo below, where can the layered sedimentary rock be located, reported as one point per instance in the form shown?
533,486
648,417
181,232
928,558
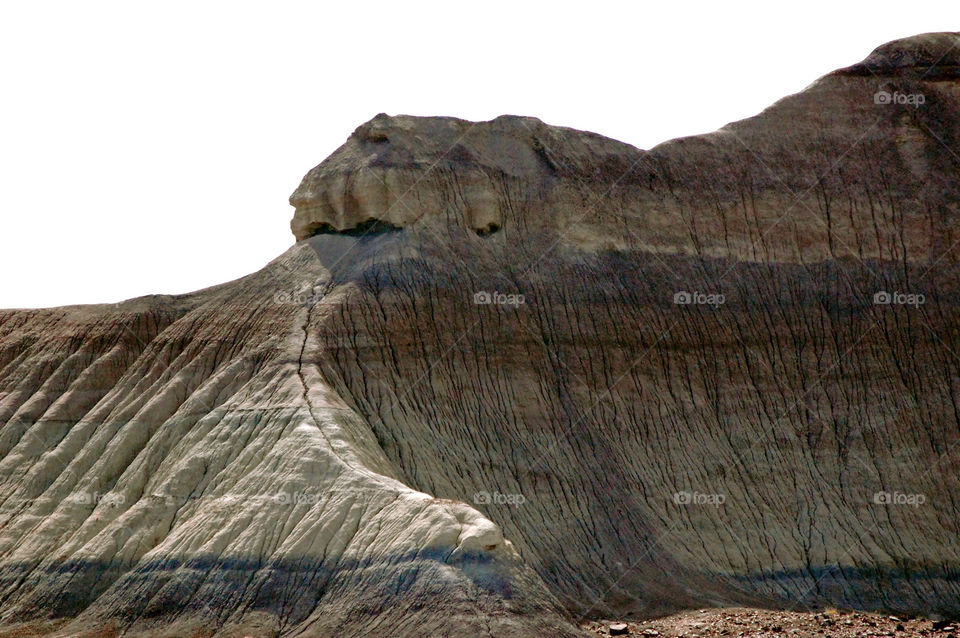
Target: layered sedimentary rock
860,165
512,375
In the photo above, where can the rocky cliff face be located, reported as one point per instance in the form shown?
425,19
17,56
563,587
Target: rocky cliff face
859,165
512,375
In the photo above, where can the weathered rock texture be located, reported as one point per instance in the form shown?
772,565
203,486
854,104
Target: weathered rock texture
347,442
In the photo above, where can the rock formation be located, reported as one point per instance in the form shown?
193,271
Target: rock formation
512,375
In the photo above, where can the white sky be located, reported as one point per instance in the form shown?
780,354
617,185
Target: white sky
151,148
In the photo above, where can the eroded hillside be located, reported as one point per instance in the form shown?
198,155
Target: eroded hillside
514,375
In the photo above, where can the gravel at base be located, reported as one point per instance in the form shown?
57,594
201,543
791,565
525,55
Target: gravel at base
743,623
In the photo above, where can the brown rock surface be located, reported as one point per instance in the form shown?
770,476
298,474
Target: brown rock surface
468,400
827,173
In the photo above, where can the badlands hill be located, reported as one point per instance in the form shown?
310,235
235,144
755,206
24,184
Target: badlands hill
513,375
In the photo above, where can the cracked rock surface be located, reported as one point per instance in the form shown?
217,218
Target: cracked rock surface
512,376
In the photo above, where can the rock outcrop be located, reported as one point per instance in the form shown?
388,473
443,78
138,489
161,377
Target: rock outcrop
513,375
840,170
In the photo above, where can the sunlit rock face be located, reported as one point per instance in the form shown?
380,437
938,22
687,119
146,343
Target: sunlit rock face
512,375
400,170
179,466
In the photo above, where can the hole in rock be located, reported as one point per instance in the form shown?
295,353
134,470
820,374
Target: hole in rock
365,228
489,229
